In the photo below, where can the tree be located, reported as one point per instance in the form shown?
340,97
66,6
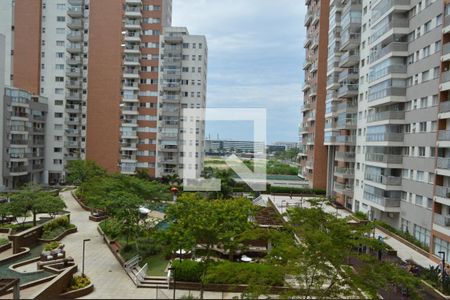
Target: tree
35,200
79,171
319,263
195,222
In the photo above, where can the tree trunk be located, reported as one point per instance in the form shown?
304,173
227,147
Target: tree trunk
34,218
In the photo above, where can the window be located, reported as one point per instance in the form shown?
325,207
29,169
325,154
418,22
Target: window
425,76
441,246
59,79
419,176
427,27
422,128
58,115
59,91
426,52
60,6
404,225
423,102
437,46
59,67
185,45
59,43
60,19
422,234
57,150
439,20
59,54
436,72
59,102
57,161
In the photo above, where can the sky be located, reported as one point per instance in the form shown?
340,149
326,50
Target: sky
255,54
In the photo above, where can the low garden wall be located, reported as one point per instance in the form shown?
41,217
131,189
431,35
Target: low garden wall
113,246
83,206
5,247
78,293
57,285
23,251
29,237
214,287
61,236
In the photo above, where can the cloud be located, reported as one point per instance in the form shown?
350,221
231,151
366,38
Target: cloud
255,54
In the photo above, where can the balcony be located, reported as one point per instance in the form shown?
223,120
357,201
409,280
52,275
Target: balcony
75,37
73,72
74,60
389,92
173,86
346,107
132,37
133,11
129,24
444,135
130,49
385,137
349,40
168,148
441,220
18,170
75,48
349,74
73,84
18,142
173,39
345,189
75,12
445,52
308,17
348,60
346,123
385,116
445,81
73,96
170,112
130,60
392,47
72,121
73,132
75,24
385,180
345,156
72,144
442,191
384,158
348,91
344,172
443,163
38,130
130,110
394,69
131,73
444,107
394,23
384,203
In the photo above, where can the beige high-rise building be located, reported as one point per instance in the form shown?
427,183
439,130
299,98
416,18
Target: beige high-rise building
99,64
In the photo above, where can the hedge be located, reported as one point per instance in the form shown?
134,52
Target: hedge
293,190
226,272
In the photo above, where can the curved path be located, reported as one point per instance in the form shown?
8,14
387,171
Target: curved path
109,278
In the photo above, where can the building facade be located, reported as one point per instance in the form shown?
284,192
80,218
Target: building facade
183,87
387,105
98,63
311,129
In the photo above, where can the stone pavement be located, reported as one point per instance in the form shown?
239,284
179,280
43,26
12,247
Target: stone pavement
403,251
109,278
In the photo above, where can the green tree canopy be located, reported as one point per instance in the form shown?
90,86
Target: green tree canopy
79,171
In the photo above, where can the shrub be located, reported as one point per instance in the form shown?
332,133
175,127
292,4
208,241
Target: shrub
3,241
360,215
293,190
244,273
404,235
111,228
51,246
59,222
188,270
78,282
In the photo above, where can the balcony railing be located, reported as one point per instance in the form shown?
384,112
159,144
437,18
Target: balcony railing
385,115
385,137
392,91
444,107
384,158
445,76
18,169
394,46
443,163
338,171
386,180
442,191
345,156
382,201
444,135
441,220
394,69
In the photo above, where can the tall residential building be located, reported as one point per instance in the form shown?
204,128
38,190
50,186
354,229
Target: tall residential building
387,105
98,63
23,138
313,151
183,86
342,98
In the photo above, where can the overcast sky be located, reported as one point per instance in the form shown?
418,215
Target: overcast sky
255,57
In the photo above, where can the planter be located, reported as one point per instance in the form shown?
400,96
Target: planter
78,293
61,236
5,247
434,291
113,246
83,206
97,218
215,287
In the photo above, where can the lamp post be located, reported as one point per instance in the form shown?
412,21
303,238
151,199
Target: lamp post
172,269
443,266
84,248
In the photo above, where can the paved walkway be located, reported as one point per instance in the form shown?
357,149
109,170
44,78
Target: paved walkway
403,251
109,278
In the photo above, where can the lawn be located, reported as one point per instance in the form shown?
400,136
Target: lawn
156,265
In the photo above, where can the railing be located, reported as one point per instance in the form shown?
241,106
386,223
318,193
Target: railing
344,171
346,57
343,90
18,169
346,122
346,106
383,6
385,137
384,158
444,135
443,163
382,201
386,115
394,69
444,107
339,187
345,155
446,49
445,76
441,220
345,139
394,46
385,28
442,191
386,180
392,91
347,72
19,142
75,23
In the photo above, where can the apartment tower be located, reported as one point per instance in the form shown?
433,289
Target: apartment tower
182,89
341,101
313,152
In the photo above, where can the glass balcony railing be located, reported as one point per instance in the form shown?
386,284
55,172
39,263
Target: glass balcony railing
384,158
386,180
382,201
385,137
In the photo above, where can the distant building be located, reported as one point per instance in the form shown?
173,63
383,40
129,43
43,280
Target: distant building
287,145
229,146
276,148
